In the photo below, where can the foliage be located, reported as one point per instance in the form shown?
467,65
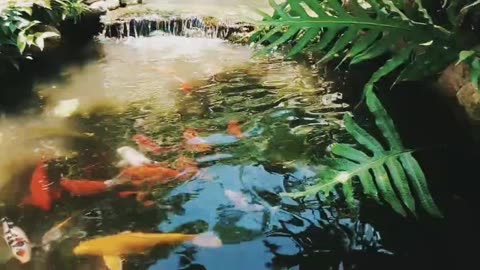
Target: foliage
19,29
418,43
384,173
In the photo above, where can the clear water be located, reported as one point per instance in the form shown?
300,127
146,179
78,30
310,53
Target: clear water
288,112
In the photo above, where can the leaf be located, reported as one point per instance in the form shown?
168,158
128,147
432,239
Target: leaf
464,55
21,42
341,43
303,41
397,60
378,48
39,42
386,176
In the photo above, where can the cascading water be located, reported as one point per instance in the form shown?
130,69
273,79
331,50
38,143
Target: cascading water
193,26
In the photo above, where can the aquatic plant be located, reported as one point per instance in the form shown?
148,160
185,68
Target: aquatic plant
385,173
417,38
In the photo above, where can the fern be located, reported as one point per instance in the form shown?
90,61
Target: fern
366,29
389,174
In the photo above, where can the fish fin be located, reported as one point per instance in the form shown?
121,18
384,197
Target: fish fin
122,163
113,262
207,239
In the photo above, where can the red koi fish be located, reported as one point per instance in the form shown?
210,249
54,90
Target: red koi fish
41,194
149,174
149,145
234,129
194,142
86,187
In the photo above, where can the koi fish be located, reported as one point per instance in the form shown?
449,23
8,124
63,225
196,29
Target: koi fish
234,129
41,195
186,87
149,145
131,157
113,247
194,142
86,187
139,175
59,232
240,201
17,240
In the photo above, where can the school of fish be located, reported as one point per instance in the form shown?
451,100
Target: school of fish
139,174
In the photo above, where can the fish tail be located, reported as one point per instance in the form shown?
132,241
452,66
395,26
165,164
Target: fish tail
207,239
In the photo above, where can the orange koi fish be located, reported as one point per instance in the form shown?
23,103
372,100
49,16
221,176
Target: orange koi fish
194,142
149,145
234,129
86,187
149,174
113,247
41,194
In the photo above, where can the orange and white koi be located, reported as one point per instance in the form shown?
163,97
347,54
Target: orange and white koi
86,187
113,247
17,240
234,129
131,157
41,194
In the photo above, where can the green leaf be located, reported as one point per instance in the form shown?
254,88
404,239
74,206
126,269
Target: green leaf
363,42
386,190
303,41
21,42
393,63
341,43
464,55
378,48
383,121
386,176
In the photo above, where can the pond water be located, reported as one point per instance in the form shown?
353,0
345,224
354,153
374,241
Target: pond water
161,86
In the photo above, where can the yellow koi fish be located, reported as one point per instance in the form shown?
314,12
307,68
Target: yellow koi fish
113,247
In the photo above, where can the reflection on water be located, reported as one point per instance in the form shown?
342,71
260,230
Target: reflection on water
286,114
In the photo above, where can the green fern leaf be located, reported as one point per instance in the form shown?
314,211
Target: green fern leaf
397,60
386,174
341,44
304,40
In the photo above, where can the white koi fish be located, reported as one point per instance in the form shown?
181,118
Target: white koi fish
131,157
17,240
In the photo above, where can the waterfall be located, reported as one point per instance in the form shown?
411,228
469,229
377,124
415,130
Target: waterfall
189,26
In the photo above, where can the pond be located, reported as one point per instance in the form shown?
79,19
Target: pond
249,127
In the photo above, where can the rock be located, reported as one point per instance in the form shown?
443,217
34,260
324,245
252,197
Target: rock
112,4
455,82
99,7
103,6
89,2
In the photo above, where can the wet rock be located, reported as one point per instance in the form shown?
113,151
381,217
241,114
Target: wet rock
102,6
455,82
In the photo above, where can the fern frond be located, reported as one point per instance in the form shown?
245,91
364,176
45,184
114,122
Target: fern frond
356,31
385,173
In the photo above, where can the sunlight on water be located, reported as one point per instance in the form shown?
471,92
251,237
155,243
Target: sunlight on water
256,127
